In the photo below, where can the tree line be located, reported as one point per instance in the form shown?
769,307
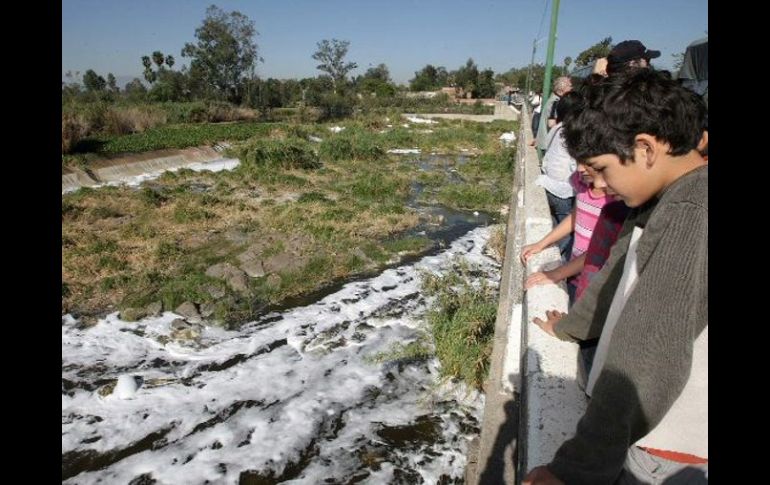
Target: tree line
222,67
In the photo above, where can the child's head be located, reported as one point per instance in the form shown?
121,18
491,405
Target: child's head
567,105
639,116
589,176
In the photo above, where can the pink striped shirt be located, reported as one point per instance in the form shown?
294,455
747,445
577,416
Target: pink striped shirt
587,210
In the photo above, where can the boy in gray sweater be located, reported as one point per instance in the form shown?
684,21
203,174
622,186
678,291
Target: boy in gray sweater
647,419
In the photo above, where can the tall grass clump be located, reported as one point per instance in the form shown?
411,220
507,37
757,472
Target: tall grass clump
289,153
462,320
362,146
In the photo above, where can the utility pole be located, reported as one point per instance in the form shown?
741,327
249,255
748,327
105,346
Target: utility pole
531,64
549,66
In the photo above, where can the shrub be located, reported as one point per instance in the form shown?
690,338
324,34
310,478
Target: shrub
289,153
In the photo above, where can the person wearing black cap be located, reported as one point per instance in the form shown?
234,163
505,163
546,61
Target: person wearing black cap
629,53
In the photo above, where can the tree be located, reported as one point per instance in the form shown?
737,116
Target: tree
376,80
170,86
467,77
93,82
135,90
567,62
225,52
331,56
170,61
486,84
424,80
158,58
538,74
380,73
600,49
149,74
111,83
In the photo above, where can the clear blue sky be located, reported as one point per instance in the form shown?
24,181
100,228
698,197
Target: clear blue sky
112,35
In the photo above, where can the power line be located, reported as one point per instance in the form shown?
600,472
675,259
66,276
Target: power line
542,19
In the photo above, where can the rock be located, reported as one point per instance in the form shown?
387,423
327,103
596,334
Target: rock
189,311
184,331
360,254
207,309
251,262
179,324
107,389
234,276
126,387
215,291
154,309
284,261
274,280
133,314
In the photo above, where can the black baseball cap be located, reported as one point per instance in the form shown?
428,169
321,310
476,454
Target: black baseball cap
628,50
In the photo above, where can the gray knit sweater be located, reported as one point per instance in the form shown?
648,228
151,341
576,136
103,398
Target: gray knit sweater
649,358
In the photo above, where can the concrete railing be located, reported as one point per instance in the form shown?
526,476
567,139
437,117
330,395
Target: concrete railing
533,402
551,401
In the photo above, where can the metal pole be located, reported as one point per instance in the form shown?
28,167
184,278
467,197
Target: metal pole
529,73
549,65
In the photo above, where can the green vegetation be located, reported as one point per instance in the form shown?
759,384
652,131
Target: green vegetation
310,212
462,322
461,325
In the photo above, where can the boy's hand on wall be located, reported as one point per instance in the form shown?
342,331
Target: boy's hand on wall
552,318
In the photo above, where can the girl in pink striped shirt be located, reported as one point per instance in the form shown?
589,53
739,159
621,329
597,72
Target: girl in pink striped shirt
589,200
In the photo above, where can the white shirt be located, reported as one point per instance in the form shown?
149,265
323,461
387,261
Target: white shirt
558,165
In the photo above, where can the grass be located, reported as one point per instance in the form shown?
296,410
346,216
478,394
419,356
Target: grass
462,321
496,242
124,247
288,153
181,135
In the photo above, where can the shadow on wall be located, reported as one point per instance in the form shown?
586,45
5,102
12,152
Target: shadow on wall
493,473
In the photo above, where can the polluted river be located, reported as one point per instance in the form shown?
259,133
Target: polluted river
297,396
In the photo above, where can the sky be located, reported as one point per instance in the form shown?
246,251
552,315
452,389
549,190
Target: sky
112,35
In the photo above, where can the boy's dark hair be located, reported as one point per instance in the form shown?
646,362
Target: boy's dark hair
638,101
567,105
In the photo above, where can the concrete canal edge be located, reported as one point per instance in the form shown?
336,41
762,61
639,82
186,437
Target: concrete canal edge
533,401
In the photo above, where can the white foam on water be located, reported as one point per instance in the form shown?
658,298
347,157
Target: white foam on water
136,180
297,389
425,121
404,150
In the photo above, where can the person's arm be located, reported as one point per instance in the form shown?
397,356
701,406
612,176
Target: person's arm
650,355
571,268
600,66
552,115
562,230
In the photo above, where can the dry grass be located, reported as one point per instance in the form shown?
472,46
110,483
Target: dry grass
496,242
121,121
74,128
225,112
